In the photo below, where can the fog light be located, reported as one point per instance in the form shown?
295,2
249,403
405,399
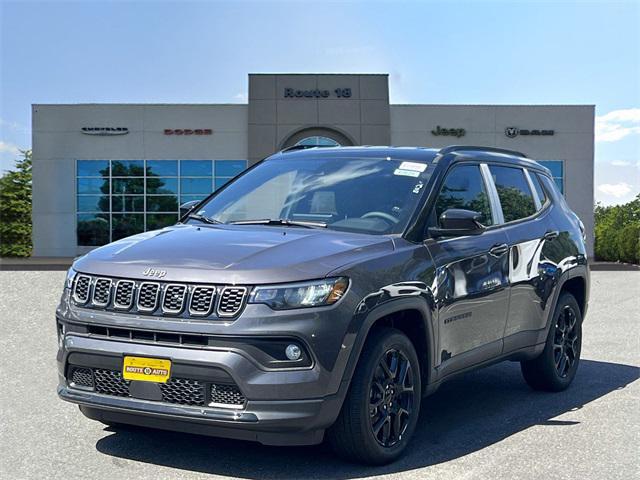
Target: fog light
293,352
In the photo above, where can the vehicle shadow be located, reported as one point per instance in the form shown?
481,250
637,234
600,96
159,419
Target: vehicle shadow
467,414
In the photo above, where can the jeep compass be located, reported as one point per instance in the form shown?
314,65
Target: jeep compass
324,292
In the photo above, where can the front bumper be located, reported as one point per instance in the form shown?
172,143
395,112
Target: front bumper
282,407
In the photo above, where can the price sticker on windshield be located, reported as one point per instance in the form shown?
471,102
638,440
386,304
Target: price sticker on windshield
413,166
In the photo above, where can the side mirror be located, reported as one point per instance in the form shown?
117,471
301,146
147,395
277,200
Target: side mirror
187,207
456,222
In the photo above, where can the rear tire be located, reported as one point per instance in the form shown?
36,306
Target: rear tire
554,369
380,412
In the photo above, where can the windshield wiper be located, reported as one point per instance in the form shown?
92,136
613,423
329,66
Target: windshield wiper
281,221
204,219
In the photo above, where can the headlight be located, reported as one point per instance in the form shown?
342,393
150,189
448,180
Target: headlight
71,274
301,295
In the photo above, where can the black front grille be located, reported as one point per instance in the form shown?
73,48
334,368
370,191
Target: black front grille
102,292
81,288
82,377
181,391
231,301
148,296
202,300
124,294
173,300
226,395
110,382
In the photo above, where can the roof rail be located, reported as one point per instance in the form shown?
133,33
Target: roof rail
459,148
296,147
303,147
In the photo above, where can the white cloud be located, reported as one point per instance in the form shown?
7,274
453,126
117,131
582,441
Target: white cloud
621,163
618,124
617,190
241,97
9,148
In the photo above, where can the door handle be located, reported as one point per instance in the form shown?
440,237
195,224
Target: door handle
551,235
499,250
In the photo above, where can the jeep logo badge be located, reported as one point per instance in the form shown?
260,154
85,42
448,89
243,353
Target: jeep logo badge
152,272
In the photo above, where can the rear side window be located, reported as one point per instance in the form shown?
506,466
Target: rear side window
464,188
542,195
514,192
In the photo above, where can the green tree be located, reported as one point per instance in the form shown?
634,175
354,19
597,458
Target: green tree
15,209
617,232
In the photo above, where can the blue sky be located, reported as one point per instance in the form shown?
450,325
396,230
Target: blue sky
449,52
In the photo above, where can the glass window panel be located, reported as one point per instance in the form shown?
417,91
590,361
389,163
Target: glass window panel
221,182
189,198
93,185
161,220
559,184
92,229
515,195
229,168
195,185
127,168
464,188
318,141
127,203
162,203
124,186
542,195
92,203
162,186
555,166
92,168
125,225
162,168
196,168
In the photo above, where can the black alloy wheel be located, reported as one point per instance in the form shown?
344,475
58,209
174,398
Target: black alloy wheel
566,343
556,366
380,412
391,398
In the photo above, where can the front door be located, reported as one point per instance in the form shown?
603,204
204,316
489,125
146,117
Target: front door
471,288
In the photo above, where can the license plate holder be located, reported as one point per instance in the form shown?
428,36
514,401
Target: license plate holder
145,369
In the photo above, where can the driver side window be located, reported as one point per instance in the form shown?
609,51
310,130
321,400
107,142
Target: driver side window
464,188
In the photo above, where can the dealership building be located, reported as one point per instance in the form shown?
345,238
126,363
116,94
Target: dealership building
105,171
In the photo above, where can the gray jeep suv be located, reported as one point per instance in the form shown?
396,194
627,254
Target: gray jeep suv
326,291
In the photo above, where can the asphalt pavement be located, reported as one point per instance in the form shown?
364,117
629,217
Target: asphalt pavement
485,424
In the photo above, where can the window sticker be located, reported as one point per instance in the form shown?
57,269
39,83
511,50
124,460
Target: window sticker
406,173
414,166
418,187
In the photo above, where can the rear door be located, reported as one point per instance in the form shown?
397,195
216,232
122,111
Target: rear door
471,275
529,231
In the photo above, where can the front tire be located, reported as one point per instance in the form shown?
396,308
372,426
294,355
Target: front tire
380,412
554,369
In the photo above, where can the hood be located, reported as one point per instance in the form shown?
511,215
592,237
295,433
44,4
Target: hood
232,254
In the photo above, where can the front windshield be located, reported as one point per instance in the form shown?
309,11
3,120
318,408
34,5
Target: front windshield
367,195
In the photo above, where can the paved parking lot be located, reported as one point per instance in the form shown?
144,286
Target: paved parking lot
486,424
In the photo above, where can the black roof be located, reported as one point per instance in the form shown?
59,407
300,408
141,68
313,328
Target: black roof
447,155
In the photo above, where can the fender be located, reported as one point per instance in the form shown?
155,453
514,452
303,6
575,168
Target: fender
418,303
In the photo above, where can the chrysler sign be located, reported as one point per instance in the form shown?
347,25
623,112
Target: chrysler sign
104,130
513,132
